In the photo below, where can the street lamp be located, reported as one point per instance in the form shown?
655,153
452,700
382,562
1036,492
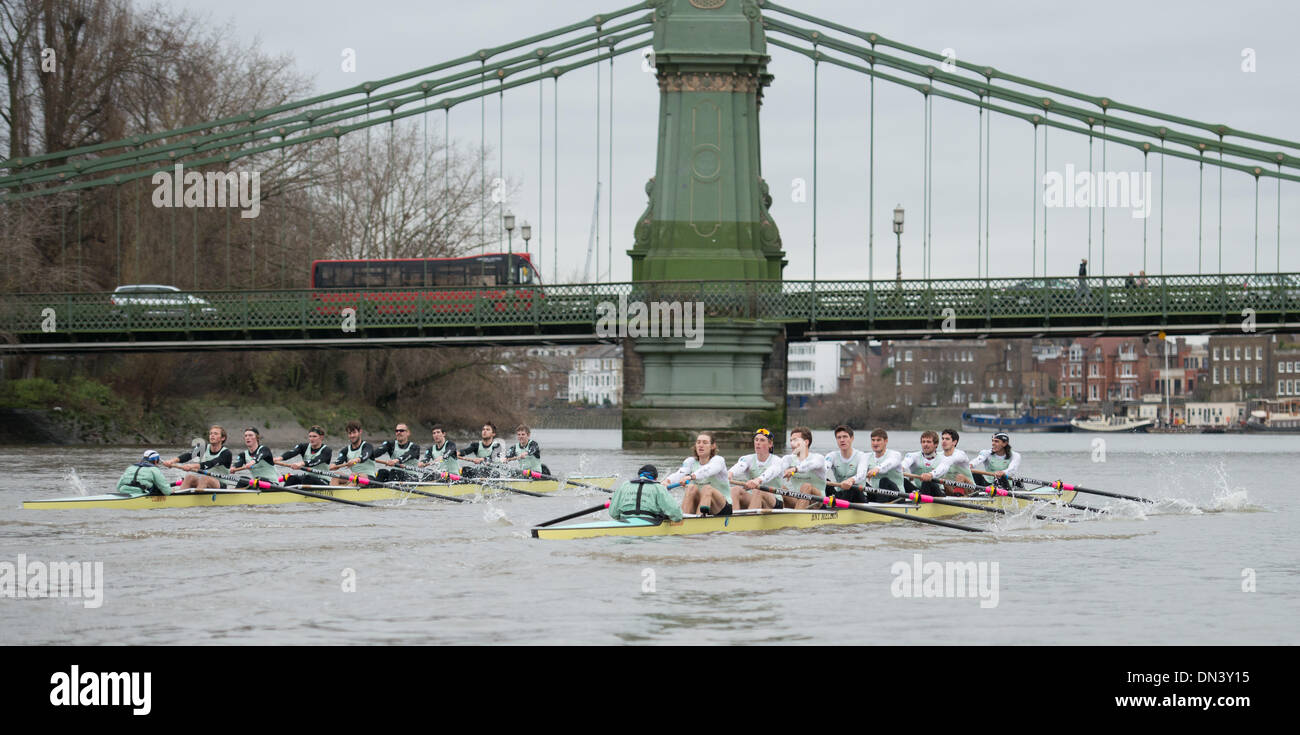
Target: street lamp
898,253
509,220
526,230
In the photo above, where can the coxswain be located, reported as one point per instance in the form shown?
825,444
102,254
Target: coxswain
883,466
482,454
1000,460
215,456
357,456
256,459
747,471
847,467
801,470
921,463
441,454
644,497
404,456
526,451
706,471
315,454
144,477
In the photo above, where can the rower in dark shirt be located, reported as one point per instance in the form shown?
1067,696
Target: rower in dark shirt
214,457
404,453
526,451
441,454
257,459
482,456
357,456
315,454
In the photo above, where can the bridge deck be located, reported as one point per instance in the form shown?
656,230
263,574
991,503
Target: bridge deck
288,319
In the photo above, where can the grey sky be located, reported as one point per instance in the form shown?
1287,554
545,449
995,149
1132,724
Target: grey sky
1179,58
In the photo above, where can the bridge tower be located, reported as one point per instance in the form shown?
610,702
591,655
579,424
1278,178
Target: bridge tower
707,218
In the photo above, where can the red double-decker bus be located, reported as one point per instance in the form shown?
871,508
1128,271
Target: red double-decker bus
407,285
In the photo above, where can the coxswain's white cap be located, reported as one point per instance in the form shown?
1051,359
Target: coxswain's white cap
151,456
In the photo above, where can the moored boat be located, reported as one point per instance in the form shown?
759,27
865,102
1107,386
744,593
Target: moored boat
1111,424
208,498
771,520
971,421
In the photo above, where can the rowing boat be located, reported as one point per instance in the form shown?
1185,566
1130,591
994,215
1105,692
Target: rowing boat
205,498
771,520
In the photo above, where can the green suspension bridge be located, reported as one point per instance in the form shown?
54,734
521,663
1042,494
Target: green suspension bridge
273,315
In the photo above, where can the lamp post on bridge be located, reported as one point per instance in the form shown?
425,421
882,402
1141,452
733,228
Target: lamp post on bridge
509,220
898,252
526,230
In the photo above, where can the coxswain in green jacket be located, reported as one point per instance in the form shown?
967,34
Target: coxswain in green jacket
144,477
644,497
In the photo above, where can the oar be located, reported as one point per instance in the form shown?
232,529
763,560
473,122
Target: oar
592,509
838,503
264,485
535,475
363,481
991,490
913,497
488,483
1057,484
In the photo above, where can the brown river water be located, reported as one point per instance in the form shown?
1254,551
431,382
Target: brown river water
1215,562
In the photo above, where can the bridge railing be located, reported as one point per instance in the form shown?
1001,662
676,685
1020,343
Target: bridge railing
1217,297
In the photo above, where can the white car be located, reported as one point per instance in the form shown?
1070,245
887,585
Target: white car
153,300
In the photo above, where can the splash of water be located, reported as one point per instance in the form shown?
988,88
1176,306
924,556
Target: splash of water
72,478
492,514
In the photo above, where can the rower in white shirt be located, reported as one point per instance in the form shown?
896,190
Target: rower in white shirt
884,466
747,471
708,491
953,462
800,470
846,467
1001,461
922,463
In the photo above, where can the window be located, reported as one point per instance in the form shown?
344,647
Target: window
1236,353
907,356
1259,352
1236,373
907,377
1216,353
1092,392
1259,374
1216,376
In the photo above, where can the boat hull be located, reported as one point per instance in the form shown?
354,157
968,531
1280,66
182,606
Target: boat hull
209,498
772,520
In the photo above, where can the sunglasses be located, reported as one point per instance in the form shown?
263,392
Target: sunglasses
763,432
401,431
